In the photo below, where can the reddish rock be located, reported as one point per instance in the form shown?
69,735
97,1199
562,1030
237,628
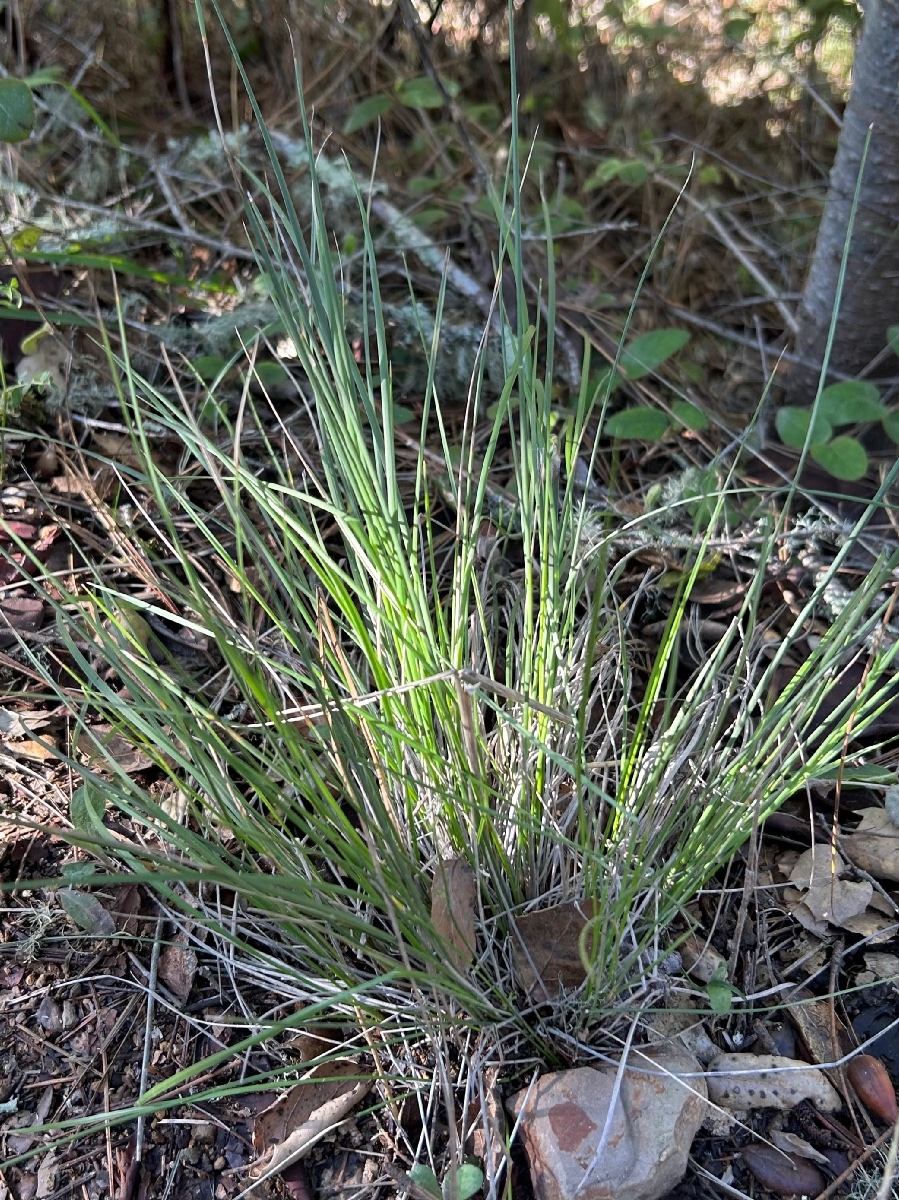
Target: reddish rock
645,1155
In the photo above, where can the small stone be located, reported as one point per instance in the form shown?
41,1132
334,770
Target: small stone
656,1117
742,1082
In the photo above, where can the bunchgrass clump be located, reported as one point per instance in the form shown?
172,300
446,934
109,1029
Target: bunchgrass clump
414,664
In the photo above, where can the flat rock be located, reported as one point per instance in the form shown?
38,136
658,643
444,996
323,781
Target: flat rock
655,1120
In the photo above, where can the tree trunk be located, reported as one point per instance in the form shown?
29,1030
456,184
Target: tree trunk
870,299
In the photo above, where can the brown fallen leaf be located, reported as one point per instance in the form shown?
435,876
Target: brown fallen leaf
546,948
816,1023
701,959
20,614
114,748
47,1174
12,530
453,899
488,1136
290,1127
16,565
43,751
875,845
10,977
791,1143
178,965
295,1106
828,897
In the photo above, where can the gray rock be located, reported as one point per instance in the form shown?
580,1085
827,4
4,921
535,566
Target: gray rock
645,1155
747,1081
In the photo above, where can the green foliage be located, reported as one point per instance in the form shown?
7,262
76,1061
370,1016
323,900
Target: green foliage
16,110
849,402
87,912
209,366
629,171
720,991
690,415
461,1184
86,808
270,374
649,351
366,112
638,359
795,428
366,734
844,457
421,92
640,422
891,426
485,114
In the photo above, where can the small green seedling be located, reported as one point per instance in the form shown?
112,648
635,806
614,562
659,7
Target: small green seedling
720,991
459,1185
850,402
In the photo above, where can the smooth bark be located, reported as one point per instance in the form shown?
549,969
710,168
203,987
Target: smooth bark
870,299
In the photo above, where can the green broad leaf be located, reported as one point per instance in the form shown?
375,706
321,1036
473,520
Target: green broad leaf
87,912
469,1179
366,112
31,342
26,239
720,991
86,808
487,114
16,110
891,426
209,366
45,77
721,996
893,338
693,372
851,401
212,411
421,92
690,415
426,217
793,426
425,1178
78,872
422,185
270,374
644,424
633,173
648,352
626,170
844,458
403,415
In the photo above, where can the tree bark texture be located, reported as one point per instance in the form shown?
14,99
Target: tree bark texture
870,299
